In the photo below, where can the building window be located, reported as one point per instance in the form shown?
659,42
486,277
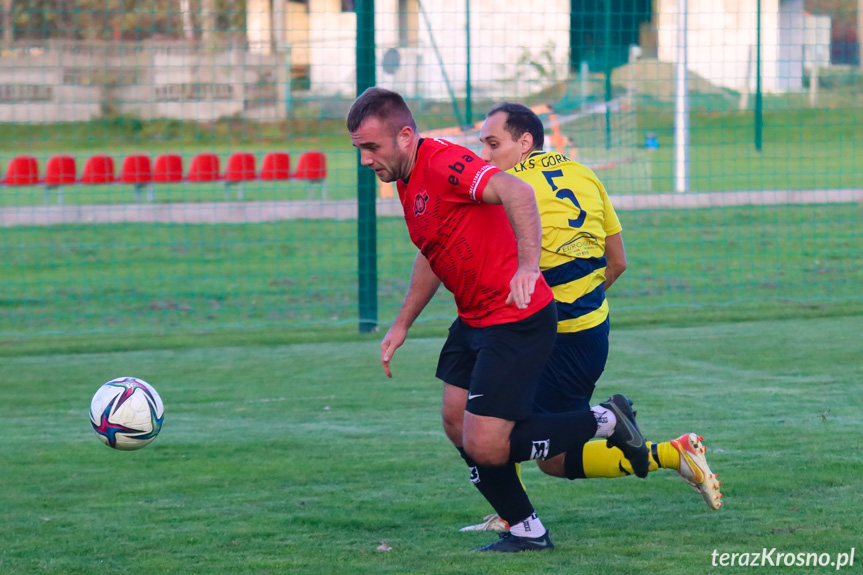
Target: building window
349,6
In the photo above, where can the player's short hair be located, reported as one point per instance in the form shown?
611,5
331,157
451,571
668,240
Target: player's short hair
520,120
385,105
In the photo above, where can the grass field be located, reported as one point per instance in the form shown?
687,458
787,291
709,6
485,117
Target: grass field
684,266
304,459
803,149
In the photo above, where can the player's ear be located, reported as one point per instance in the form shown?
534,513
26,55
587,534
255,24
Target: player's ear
525,143
404,137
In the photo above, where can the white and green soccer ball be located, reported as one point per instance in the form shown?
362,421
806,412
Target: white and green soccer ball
127,413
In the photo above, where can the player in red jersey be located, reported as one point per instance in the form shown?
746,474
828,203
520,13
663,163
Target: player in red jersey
478,231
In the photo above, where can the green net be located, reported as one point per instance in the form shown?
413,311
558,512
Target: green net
184,166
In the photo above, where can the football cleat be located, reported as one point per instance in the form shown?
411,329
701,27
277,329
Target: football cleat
626,435
509,543
694,469
491,522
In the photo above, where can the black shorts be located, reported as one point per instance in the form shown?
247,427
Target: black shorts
499,365
575,365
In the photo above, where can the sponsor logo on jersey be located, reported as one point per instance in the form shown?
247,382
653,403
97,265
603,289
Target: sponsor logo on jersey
420,203
580,245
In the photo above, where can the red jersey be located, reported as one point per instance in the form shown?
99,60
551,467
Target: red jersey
470,245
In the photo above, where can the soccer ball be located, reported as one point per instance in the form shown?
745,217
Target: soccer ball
127,413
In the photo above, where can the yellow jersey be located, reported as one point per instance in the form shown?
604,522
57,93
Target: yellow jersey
576,216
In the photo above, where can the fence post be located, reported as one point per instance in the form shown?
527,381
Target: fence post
468,104
366,215
681,100
608,69
759,115
860,31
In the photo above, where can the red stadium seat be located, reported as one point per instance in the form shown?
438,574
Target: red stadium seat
98,170
241,168
312,166
277,166
22,171
61,170
168,168
136,170
204,168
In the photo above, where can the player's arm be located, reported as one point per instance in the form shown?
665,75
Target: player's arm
424,284
616,256
519,202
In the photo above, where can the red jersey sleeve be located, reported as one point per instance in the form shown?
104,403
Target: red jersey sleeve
459,175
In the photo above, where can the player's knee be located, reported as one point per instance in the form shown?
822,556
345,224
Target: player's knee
452,413
452,426
485,451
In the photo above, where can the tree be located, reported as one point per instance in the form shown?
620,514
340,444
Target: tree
8,31
122,19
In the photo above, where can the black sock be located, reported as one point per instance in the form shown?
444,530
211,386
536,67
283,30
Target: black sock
548,434
573,464
502,488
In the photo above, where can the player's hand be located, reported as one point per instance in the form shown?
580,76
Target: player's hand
521,287
393,340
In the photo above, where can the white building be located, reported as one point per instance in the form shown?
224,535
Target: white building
425,40
722,39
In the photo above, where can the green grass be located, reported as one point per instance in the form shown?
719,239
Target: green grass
803,149
304,458
685,266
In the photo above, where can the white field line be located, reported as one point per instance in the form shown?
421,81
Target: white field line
253,212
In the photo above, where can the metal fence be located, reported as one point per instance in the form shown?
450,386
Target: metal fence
731,142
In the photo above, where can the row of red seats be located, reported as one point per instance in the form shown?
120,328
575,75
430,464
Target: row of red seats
137,169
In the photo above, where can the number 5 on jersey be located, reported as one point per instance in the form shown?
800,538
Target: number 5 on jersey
565,194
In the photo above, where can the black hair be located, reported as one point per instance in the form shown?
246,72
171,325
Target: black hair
520,120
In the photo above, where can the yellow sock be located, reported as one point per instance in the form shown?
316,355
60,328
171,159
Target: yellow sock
602,461
669,458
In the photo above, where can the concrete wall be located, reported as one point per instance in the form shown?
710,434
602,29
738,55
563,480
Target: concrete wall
208,87
62,84
39,88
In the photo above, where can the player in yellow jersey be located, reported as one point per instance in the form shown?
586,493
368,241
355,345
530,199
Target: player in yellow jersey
582,256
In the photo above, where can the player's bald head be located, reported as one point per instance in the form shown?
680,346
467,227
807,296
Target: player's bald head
520,120
385,105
